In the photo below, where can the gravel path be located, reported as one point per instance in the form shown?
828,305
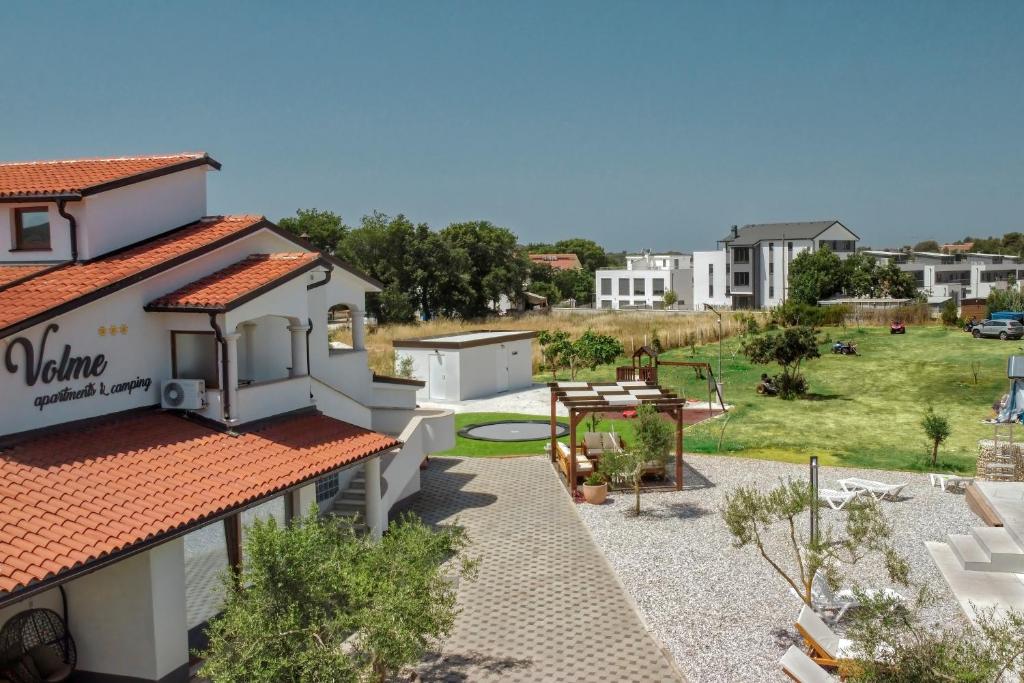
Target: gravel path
721,611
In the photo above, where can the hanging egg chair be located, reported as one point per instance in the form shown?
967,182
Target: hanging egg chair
36,647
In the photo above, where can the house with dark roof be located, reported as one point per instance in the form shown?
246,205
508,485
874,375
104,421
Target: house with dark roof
166,375
758,257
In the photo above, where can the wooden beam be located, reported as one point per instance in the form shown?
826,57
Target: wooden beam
679,449
573,421
233,541
554,427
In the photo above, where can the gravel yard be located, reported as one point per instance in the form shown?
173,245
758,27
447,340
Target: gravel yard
721,611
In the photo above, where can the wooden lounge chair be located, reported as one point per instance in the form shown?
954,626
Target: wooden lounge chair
826,647
802,669
878,489
584,468
837,500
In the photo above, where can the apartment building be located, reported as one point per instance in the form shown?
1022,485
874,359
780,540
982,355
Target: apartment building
758,257
957,275
645,279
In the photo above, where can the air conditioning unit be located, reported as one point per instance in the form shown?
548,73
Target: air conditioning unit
183,394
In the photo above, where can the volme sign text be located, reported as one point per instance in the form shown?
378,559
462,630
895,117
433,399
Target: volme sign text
65,368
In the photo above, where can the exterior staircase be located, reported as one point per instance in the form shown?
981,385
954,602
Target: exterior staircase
350,503
985,567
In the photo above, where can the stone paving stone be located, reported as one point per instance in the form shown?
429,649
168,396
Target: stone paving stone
546,606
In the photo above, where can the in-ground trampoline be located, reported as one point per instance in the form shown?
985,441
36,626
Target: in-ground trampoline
513,430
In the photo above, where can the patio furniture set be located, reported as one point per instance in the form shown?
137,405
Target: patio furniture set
589,452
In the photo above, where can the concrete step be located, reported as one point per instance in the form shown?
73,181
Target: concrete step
969,552
977,589
1003,552
348,508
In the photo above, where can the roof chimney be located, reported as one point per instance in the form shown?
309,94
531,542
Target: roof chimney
735,232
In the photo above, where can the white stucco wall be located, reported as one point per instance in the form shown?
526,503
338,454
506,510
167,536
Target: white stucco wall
701,279
110,220
673,279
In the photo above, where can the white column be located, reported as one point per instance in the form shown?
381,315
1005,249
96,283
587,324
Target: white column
375,514
358,329
232,388
299,365
248,344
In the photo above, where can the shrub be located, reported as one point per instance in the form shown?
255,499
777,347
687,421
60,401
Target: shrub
794,314
788,348
937,429
949,314
835,315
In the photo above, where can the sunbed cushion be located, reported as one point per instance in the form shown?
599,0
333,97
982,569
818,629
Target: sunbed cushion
802,668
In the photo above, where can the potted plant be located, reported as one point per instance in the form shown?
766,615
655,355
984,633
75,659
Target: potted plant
595,489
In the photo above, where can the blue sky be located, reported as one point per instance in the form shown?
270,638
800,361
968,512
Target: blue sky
636,124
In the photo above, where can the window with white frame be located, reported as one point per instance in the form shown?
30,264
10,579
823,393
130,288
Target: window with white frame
658,286
606,286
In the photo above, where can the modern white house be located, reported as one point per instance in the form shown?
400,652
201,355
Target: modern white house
759,256
166,373
711,279
961,275
643,282
468,365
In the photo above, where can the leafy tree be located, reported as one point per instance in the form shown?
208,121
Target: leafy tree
670,298
937,428
652,443
591,254
554,347
547,290
316,602
593,349
495,266
788,348
927,245
324,229
890,281
859,272
814,276
753,516
575,284
588,351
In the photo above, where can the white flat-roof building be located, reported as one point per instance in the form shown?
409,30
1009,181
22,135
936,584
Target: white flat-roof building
956,276
458,367
711,279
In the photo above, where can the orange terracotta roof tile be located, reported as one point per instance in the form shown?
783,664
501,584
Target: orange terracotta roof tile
73,178
74,283
73,497
9,272
237,283
558,261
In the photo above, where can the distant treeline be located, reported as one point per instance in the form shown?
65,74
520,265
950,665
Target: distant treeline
461,271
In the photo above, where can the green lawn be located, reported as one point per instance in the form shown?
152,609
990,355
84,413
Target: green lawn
863,411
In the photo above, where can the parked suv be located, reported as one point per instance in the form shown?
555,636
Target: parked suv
1004,329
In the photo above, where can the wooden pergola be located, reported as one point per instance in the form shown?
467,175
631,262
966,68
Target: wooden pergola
585,398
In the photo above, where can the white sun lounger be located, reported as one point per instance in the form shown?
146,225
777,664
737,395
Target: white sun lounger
944,480
838,602
802,668
879,489
837,500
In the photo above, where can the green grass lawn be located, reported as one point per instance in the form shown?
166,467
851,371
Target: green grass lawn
863,411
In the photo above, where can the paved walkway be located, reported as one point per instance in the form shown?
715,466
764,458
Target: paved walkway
546,606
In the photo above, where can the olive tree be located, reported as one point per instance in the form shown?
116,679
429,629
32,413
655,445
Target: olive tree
757,518
937,428
315,601
652,444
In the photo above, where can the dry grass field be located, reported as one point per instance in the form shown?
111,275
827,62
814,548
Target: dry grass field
632,329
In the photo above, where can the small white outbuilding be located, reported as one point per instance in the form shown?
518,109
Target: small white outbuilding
458,367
